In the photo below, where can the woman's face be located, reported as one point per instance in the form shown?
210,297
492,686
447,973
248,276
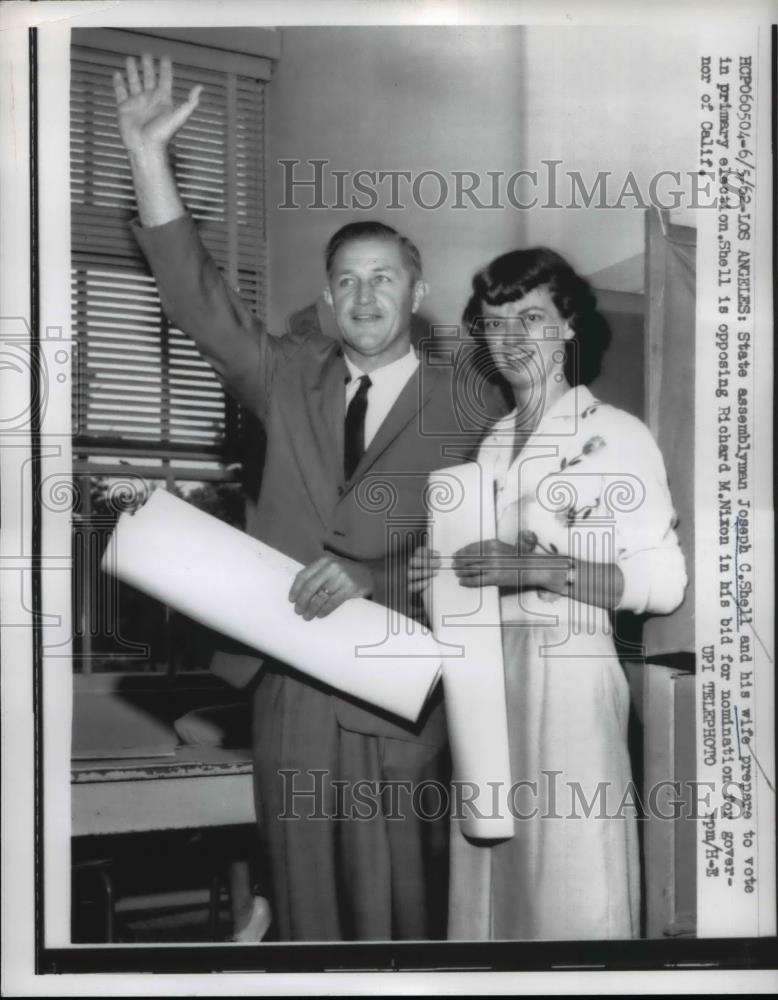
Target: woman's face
526,339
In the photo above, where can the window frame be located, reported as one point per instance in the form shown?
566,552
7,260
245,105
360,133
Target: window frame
175,462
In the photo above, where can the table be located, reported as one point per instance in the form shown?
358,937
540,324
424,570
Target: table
194,787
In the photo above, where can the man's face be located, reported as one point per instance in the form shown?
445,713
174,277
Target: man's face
373,296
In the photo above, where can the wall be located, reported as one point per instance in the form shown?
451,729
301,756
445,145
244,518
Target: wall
480,99
615,99
606,99
395,98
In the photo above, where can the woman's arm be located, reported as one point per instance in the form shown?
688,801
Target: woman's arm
514,568
646,543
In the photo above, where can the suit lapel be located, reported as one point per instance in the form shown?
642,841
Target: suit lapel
332,407
316,436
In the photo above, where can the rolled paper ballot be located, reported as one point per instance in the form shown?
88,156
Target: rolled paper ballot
466,623
238,586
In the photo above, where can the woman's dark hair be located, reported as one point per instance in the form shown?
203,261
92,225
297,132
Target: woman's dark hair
510,277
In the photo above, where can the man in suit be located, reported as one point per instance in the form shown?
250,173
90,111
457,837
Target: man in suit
353,427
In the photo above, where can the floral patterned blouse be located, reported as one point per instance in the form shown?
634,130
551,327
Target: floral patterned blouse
590,483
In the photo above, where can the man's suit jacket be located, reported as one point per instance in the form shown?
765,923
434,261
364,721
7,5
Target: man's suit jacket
295,385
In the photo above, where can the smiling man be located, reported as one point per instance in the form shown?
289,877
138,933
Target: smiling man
355,850
375,283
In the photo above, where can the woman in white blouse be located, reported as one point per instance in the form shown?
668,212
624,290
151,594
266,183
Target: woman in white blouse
585,526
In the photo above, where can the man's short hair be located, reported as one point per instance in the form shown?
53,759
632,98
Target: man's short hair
375,230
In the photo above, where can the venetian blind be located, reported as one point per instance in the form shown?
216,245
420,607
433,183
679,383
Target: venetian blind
140,383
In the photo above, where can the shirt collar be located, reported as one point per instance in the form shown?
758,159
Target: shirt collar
402,366
571,404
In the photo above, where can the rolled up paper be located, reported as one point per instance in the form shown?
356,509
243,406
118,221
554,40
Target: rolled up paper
238,586
466,623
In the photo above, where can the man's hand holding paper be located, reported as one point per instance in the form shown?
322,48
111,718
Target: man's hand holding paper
325,584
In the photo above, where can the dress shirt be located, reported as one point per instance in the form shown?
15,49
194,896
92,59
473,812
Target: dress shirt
387,384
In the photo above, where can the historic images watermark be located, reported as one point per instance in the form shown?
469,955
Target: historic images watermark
313,794
314,184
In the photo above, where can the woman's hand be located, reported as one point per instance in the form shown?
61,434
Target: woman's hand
495,564
422,566
489,564
148,119
512,567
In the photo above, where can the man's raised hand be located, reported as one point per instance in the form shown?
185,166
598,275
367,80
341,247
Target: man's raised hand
148,119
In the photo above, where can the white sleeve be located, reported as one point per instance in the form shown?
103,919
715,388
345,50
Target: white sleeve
647,549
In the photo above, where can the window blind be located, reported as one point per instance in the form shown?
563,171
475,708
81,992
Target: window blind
139,382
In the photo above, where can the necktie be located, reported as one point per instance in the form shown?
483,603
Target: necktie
354,437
